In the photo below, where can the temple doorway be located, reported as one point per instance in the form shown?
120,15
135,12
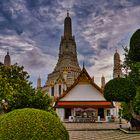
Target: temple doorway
67,113
101,113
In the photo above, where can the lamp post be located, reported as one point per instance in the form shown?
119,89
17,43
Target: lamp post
4,105
120,118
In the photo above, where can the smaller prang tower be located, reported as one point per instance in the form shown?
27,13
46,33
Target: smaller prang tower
39,83
7,59
117,72
102,82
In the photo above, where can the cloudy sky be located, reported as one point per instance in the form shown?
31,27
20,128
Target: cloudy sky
31,30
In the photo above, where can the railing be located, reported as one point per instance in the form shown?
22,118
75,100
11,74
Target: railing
81,119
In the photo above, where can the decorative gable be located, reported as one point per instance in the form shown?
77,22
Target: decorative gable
83,92
84,79
83,89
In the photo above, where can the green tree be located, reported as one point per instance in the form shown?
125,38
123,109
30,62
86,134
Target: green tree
134,51
17,90
41,101
132,62
125,113
120,89
131,88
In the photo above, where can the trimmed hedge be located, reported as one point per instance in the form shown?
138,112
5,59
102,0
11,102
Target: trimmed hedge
120,89
31,124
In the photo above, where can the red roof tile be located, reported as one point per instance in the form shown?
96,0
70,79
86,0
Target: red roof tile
95,104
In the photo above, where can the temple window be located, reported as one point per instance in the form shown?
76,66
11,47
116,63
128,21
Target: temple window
52,91
59,89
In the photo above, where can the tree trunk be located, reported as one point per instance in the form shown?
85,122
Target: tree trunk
134,115
135,120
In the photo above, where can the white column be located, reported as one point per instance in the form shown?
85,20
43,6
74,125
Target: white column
60,113
50,93
62,87
99,118
65,88
56,90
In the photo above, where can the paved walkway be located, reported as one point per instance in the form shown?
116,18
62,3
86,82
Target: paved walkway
98,131
102,135
94,126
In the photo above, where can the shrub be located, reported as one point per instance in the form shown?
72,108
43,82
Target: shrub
120,89
31,124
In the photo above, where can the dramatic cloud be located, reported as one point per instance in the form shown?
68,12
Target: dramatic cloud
32,29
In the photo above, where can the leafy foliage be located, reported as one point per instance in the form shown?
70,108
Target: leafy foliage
132,62
125,113
136,102
14,86
41,101
31,124
120,89
135,72
127,90
134,52
18,92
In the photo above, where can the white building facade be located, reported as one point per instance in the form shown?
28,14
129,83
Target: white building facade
83,102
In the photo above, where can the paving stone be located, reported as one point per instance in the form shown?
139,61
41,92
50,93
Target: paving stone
98,131
102,135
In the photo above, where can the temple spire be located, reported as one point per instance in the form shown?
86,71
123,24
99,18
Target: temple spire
102,82
67,26
7,51
67,13
38,82
116,50
67,66
7,59
117,66
83,64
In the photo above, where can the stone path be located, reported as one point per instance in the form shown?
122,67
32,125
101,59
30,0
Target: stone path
98,131
94,126
102,135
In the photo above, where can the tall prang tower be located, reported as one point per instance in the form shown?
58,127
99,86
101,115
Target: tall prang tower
67,68
117,72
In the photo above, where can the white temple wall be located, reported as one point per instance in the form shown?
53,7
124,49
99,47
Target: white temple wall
84,92
60,112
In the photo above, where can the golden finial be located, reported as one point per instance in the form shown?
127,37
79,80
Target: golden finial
7,51
67,13
116,50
